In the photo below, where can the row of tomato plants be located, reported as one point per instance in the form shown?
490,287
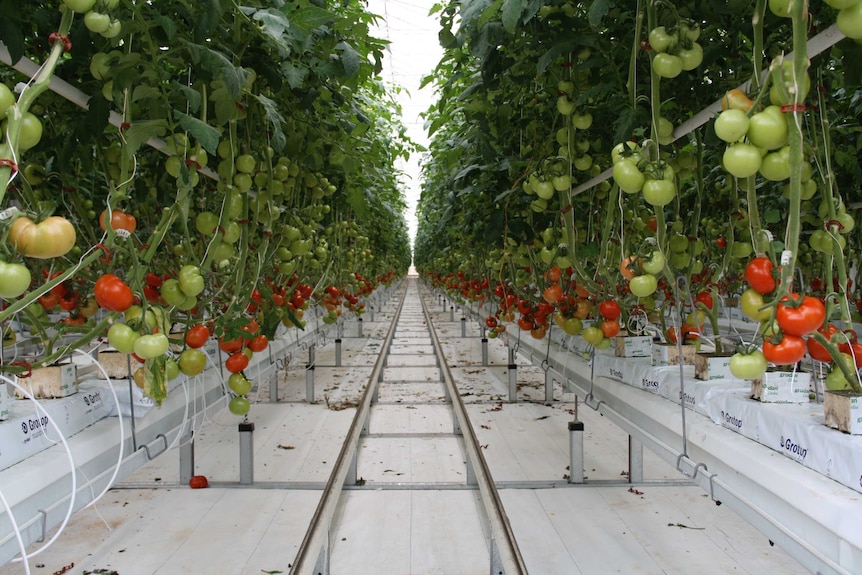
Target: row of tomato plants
688,216
247,173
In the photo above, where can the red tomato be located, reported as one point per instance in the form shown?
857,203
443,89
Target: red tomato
758,274
119,220
525,323
197,336
258,343
610,310
553,274
236,362
490,322
252,327
816,349
803,319
113,294
705,298
552,293
198,482
230,345
789,350
610,327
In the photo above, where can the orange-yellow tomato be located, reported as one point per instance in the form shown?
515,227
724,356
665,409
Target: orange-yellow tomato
51,238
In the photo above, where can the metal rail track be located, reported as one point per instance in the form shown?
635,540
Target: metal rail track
314,554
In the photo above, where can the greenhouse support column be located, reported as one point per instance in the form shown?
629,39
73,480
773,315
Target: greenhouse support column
513,376
463,327
636,461
359,327
187,457
485,351
576,450
451,313
338,352
549,386
246,453
309,383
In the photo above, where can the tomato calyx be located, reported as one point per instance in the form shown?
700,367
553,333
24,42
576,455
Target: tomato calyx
55,37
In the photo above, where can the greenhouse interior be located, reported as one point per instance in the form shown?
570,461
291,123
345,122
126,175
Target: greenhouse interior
414,287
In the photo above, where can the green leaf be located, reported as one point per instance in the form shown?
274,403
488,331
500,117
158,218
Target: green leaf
144,92
598,10
276,138
193,97
272,23
511,14
11,35
219,65
142,131
206,135
772,216
349,58
489,13
167,25
309,18
295,75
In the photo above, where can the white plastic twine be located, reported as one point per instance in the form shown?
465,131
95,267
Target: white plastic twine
24,557
17,532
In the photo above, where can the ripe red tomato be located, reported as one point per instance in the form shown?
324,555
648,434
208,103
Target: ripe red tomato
525,323
816,349
258,343
236,362
198,482
490,322
197,336
705,298
553,293
113,294
230,345
758,274
610,310
610,327
119,221
803,319
789,350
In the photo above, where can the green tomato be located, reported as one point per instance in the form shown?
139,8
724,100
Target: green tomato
691,57
628,177
239,405
191,281
660,40
192,362
97,22
849,20
768,129
655,263
14,279
7,98
592,335
775,166
731,125
667,65
659,192
750,302
172,293
172,368
748,366
742,160
122,337
206,223
151,346
643,285
80,6
240,384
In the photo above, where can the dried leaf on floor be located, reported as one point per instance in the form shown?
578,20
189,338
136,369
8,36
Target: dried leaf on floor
683,526
280,446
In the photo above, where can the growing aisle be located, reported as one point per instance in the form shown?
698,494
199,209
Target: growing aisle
411,511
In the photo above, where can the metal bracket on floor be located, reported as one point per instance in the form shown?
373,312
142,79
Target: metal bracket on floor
187,457
636,460
576,448
322,565
513,376
246,453
309,383
549,382
146,448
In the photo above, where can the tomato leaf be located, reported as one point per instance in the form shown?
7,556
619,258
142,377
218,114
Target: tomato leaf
294,74
141,131
511,14
206,135
275,119
309,18
349,58
193,97
598,10
11,35
219,65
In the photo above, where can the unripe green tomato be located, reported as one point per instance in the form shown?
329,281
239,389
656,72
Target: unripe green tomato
151,346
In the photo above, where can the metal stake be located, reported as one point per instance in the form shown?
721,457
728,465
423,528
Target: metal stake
309,383
246,453
359,327
636,460
187,457
485,351
338,352
576,448
549,386
451,313
463,327
513,376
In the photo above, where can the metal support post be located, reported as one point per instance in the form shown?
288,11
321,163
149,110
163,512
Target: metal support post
351,471
187,457
359,327
636,460
485,351
273,381
246,453
463,327
549,386
576,448
309,383
513,376
311,354
471,474
371,313
451,313
338,352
